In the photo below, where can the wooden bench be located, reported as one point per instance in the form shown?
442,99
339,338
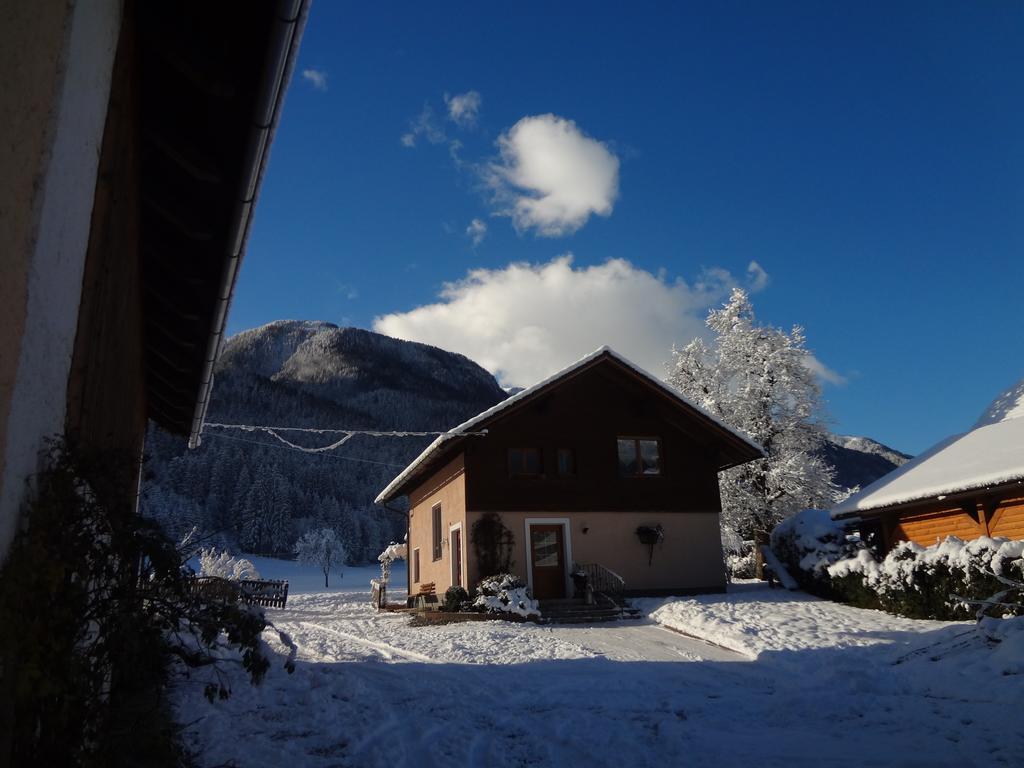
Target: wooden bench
426,594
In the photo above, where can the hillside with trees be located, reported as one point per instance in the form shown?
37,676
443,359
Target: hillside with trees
247,491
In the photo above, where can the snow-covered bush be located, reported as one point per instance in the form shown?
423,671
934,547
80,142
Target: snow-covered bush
807,544
456,599
505,593
224,566
741,564
944,581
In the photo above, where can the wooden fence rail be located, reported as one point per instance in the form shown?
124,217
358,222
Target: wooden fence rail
270,593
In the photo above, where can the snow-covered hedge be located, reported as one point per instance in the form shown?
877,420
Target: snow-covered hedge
914,581
505,593
927,582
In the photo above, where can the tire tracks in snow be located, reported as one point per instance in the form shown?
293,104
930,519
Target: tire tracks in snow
385,651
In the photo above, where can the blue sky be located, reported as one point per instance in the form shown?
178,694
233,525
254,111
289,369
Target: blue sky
868,157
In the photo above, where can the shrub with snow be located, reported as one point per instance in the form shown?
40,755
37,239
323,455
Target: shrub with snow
945,581
505,593
807,544
224,566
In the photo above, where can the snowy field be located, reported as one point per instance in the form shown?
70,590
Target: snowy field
799,682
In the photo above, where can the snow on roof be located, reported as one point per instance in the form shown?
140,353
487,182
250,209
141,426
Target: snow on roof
1009,405
988,455
468,426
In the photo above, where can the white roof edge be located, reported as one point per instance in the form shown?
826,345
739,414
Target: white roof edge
469,424
944,470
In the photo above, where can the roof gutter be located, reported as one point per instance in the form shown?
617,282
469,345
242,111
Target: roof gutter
284,45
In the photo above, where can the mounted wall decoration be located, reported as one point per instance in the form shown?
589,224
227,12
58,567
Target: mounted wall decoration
650,536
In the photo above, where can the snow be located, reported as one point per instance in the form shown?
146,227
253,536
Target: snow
1008,405
468,426
752,619
814,684
986,456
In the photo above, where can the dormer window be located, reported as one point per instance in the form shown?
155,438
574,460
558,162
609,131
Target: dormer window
639,456
524,462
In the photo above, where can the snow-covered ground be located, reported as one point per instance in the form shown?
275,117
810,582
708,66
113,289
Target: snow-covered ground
812,683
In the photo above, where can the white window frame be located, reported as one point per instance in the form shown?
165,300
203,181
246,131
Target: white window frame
566,538
462,554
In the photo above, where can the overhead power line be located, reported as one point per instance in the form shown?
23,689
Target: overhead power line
347,434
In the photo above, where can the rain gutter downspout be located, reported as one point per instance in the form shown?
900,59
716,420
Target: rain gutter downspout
284,45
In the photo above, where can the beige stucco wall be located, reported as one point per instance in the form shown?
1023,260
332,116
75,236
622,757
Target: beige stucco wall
446,487
688,560
57,57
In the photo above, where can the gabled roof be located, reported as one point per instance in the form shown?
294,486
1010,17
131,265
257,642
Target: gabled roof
991,454
479,422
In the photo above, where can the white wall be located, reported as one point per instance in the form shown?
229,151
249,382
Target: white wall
59,210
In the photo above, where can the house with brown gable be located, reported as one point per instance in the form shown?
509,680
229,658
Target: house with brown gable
601,466
968,485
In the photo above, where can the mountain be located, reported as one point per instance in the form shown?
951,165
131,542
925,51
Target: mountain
253,493
860,460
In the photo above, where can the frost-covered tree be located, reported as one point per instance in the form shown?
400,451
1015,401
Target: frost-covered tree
224,566
321,547
756,378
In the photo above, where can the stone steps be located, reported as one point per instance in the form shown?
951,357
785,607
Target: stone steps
573,611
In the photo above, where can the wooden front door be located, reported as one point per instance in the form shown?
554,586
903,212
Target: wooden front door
547,561
456,542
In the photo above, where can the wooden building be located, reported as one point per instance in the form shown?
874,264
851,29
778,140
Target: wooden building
969,485
600,465
134,138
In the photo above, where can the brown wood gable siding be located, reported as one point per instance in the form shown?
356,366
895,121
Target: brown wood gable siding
1000,515
1007,519
587,414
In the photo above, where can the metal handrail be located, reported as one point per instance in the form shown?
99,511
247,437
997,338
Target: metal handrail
602,580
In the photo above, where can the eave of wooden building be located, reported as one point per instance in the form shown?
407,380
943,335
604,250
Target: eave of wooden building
213,76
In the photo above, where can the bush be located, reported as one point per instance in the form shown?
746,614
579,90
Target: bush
456,599
94,603
807,544
945,581
505,593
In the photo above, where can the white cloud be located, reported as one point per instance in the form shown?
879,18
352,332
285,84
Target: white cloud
316,77
823,372
552,177
757,278
526,321
476,231
463,108
424,125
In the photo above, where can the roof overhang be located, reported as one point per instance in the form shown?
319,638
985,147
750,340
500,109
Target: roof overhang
999,489
212,81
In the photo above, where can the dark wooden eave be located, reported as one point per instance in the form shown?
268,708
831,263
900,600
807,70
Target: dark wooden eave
212,76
